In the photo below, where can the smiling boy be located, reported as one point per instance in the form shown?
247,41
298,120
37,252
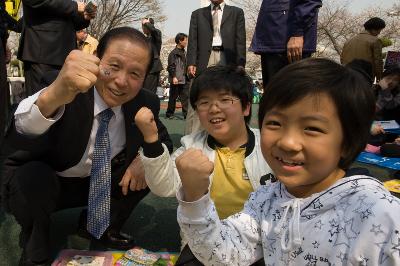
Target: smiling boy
222,98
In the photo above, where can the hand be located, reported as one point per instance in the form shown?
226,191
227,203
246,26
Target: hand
389,82
192,71
144,120
397,141
377,129
194,169
145,20
90,14
78,74
240,68
175,81
81,6
295,49
133,178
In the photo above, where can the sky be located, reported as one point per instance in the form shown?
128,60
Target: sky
178,12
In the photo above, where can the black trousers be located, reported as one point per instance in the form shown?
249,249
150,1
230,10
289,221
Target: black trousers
272,63
4,93
181,90
151,82
33,75
35,192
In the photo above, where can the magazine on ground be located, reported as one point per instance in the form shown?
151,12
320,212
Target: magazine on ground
388,124
72,257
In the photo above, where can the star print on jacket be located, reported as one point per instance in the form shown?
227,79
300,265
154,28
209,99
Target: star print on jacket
354,222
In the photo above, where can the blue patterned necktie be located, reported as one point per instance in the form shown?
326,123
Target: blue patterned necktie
100,179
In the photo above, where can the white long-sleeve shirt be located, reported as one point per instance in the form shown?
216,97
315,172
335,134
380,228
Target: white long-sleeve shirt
30,121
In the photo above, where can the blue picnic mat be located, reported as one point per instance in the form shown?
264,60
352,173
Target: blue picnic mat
394,131
371,158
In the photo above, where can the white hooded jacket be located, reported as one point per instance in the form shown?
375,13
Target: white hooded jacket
354,222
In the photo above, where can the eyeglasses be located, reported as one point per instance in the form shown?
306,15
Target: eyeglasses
223,103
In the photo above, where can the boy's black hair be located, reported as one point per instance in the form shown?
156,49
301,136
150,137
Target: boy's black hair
180,37
374,24
224,78
127,33
350,92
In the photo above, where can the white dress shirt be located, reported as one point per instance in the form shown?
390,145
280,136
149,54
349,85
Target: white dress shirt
30,121
217,40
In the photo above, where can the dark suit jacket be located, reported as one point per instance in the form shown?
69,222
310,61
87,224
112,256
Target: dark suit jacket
156,42
63,145
48,32
233,35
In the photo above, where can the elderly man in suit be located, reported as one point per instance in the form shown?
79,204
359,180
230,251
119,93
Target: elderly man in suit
48,35
78,145
217,36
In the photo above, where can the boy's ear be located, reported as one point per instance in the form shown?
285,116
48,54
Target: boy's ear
246,110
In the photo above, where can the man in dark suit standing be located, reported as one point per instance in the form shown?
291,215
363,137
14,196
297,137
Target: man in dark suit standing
217,36
48,35
77,145
153,78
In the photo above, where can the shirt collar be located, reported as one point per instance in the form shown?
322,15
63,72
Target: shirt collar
249,146
222,5
100,105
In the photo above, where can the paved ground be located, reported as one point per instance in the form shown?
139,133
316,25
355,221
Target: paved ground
153,223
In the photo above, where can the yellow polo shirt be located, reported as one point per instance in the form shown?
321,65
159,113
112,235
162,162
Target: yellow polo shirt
230,186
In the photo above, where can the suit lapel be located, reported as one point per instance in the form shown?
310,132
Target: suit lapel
227,12
207,15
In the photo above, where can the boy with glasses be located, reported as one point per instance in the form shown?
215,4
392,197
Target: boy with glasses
222,98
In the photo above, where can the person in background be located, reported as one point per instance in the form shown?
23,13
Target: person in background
217,36
154,35
76,146
388,95
286,31
86,42
320,211
7,23
177,76
48,35
387,92
367,46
